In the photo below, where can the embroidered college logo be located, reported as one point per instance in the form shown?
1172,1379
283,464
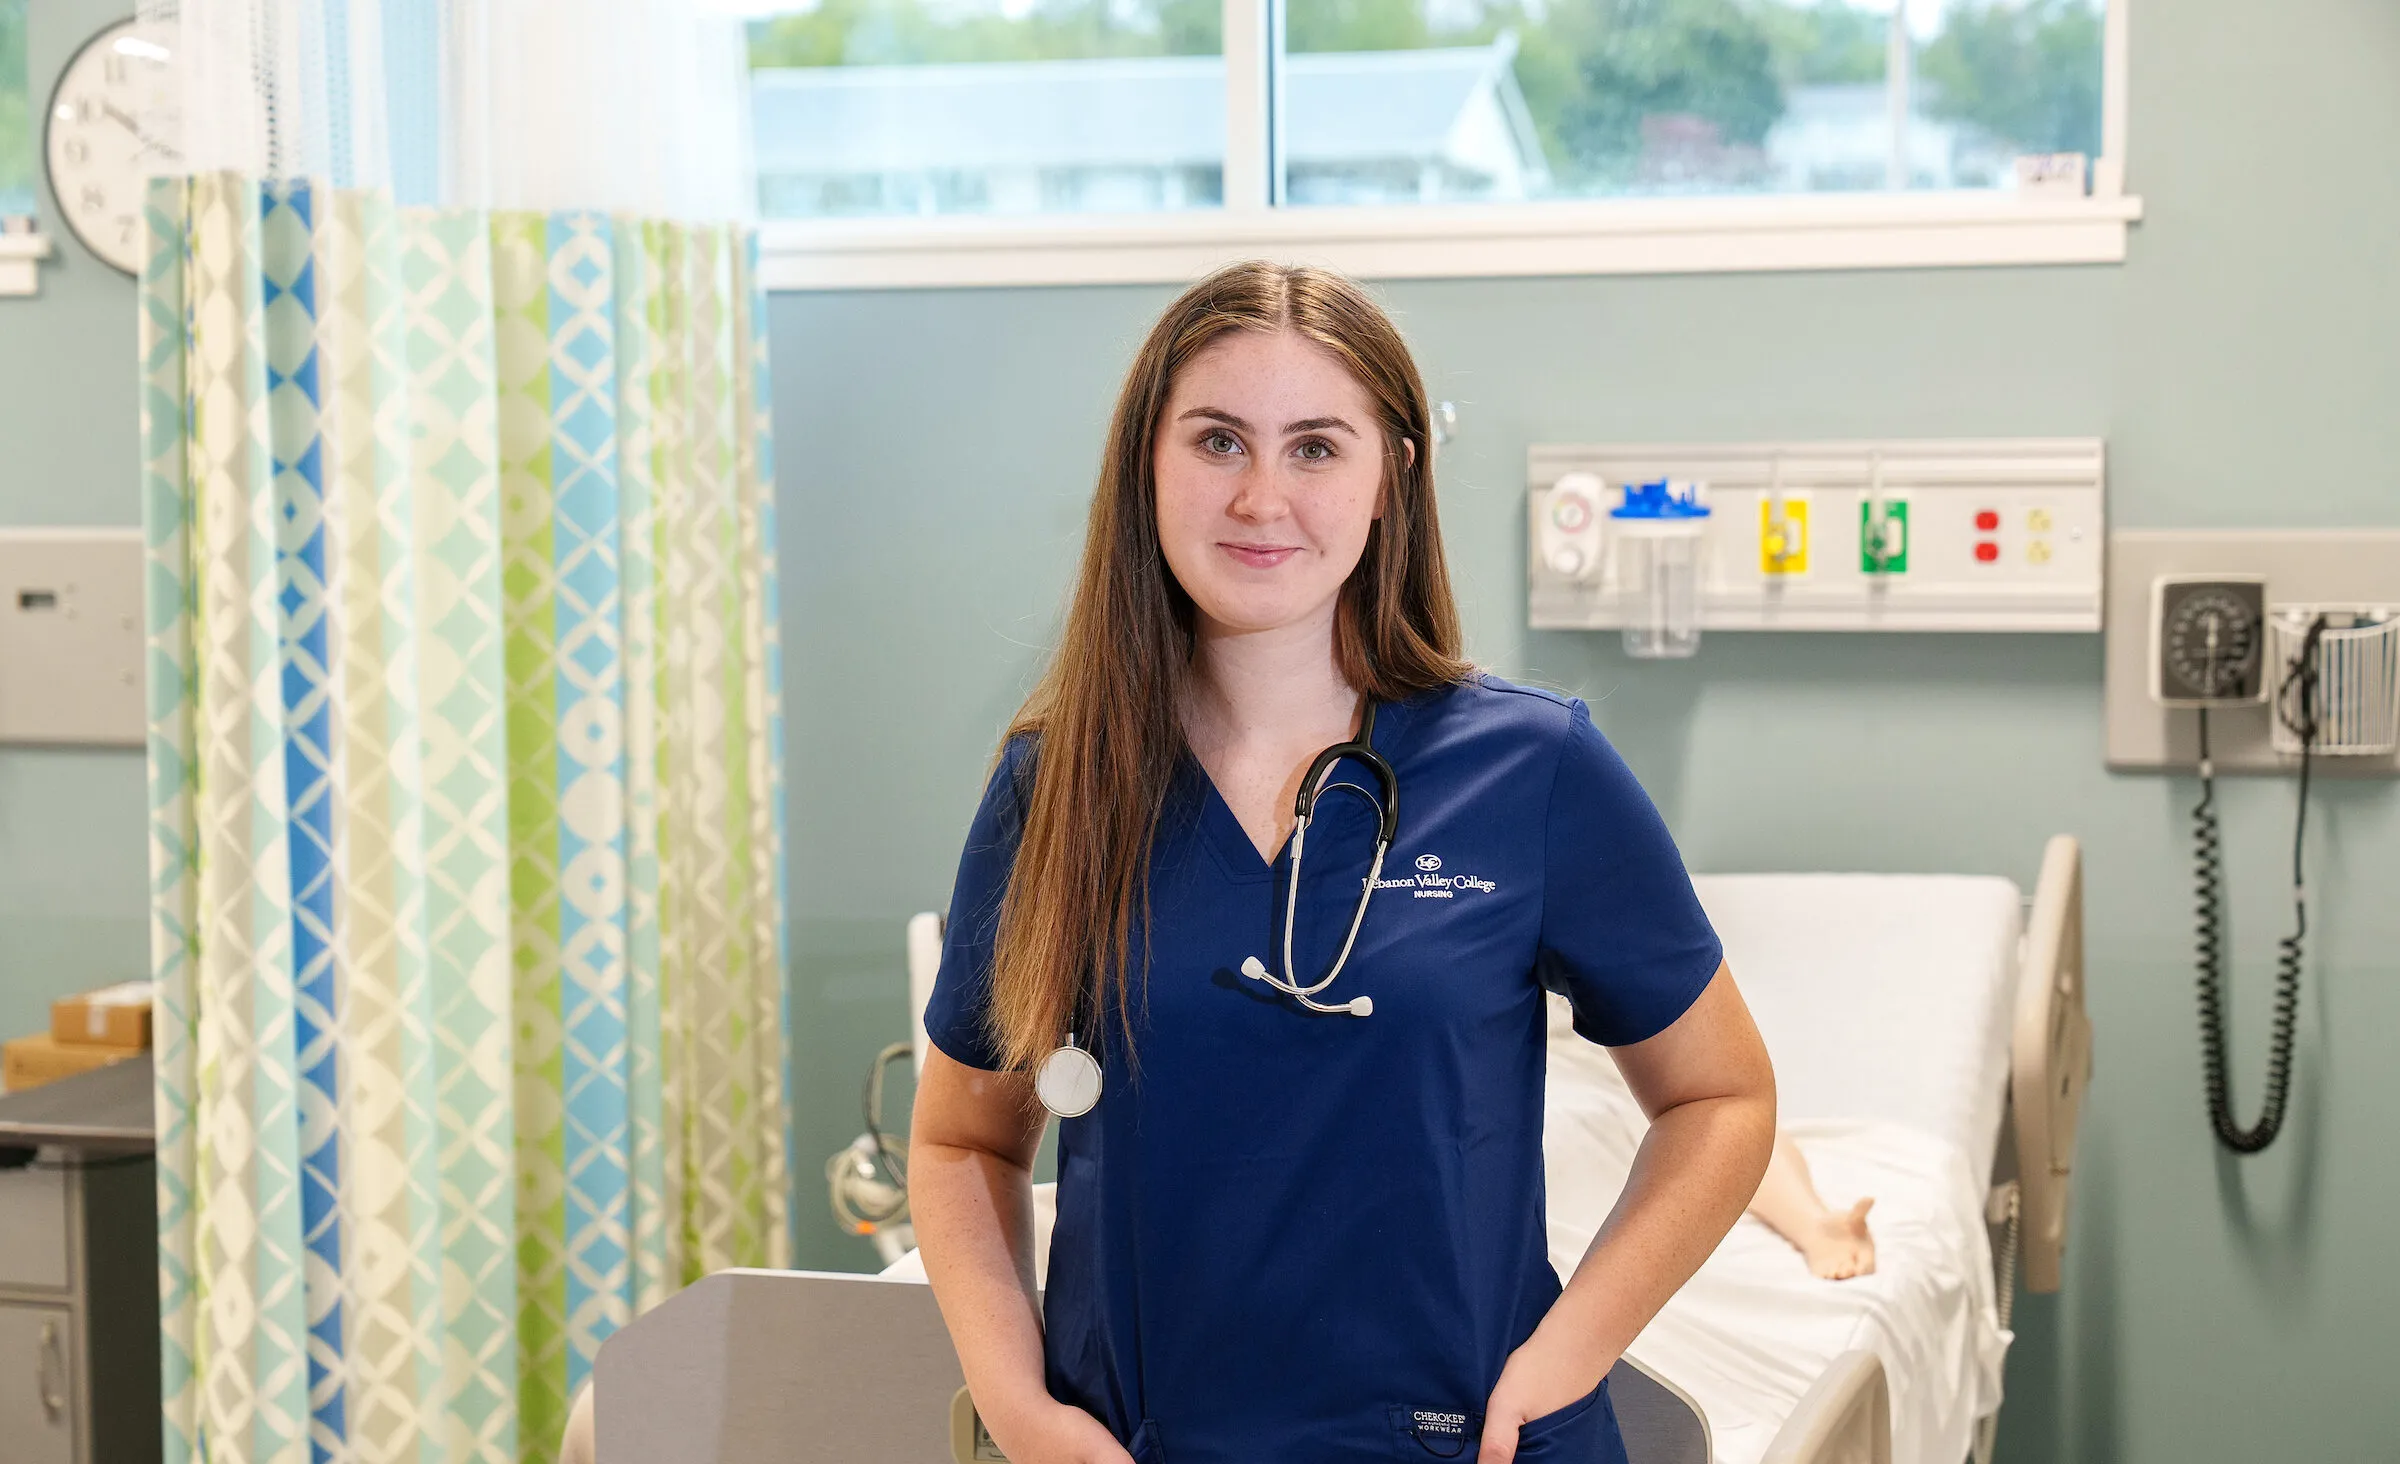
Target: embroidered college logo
1429,883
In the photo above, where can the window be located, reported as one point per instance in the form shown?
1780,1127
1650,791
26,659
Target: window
1140,139
914,107
17,133
1436,101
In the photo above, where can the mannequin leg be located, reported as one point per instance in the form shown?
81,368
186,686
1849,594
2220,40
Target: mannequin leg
1837,1246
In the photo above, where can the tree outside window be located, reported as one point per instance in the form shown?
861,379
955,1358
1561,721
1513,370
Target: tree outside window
17,133
1443,100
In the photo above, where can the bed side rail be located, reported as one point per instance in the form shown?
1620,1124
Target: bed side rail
1844,1418
1660,1423
2050,1062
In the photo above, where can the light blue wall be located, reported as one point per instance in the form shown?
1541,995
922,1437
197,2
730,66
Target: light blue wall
938,447
72,912
2244,366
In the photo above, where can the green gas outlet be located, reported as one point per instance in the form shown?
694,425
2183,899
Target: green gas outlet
1883,547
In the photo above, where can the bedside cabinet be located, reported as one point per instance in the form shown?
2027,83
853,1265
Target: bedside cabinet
79,1271
79,1311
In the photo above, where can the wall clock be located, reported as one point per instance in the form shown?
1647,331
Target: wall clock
97,144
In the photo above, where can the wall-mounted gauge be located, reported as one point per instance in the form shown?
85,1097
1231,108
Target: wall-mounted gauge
2207,638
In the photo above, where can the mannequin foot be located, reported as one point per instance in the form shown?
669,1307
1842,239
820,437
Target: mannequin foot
1838,1246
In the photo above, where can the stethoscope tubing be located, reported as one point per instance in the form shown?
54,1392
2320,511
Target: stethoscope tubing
1291,902
1068,1081
1386,799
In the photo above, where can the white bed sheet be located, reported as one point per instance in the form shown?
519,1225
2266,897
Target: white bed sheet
1880,996
1749,1334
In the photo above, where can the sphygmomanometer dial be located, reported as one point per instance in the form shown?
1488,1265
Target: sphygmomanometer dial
2212,642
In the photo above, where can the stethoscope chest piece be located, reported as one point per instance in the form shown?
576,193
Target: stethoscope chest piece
1068,1081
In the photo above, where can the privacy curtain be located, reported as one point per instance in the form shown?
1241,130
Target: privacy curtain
464,770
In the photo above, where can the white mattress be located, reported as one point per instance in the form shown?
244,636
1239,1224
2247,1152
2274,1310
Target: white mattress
1749,1334
1880,996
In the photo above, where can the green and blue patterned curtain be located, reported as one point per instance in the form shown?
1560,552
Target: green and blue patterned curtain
466,851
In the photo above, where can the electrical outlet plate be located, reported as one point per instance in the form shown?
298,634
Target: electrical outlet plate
2319,567
1901,534
71,637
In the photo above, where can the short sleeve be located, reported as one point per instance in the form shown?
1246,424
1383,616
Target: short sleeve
1623,936
962,989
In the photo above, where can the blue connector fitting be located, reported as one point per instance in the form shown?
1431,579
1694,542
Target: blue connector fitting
1661,499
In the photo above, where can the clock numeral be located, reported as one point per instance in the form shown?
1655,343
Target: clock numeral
127,224
112,67
77,151
94,199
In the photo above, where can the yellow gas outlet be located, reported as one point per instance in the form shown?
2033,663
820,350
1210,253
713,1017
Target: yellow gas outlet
1783,535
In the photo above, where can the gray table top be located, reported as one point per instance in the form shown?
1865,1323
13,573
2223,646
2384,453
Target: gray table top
108,1109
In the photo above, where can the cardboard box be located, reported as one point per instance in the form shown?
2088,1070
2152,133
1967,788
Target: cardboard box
113,1016
29,1062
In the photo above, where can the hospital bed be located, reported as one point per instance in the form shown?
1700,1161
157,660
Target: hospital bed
1931,1049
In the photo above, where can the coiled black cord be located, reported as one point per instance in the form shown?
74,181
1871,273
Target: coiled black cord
2296,703
890,1153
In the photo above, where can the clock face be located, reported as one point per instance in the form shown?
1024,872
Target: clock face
96,139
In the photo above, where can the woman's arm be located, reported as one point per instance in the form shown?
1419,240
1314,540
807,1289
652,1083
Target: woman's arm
1710,1093
972,1139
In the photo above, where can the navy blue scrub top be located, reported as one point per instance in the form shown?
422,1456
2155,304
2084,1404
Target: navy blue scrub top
1318,1238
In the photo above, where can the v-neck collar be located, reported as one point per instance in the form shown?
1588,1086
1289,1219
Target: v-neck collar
1223,832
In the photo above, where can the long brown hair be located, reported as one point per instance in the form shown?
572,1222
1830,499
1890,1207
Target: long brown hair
1106,710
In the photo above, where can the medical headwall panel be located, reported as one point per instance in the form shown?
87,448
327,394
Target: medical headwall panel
1962,535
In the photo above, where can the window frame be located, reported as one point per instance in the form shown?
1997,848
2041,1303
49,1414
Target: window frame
21,257
1742,232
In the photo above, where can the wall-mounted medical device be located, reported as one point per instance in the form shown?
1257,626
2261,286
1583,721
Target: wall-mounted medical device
2257,651
2215,619
71,637
1891,535
867,1181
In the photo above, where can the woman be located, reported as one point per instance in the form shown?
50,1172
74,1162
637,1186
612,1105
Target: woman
1305,1230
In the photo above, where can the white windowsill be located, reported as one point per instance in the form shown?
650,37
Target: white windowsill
1621,236
21,257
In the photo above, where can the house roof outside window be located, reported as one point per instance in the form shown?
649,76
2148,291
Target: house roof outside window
1451,120
1148,132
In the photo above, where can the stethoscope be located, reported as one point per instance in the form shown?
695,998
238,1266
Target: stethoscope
1068,1080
